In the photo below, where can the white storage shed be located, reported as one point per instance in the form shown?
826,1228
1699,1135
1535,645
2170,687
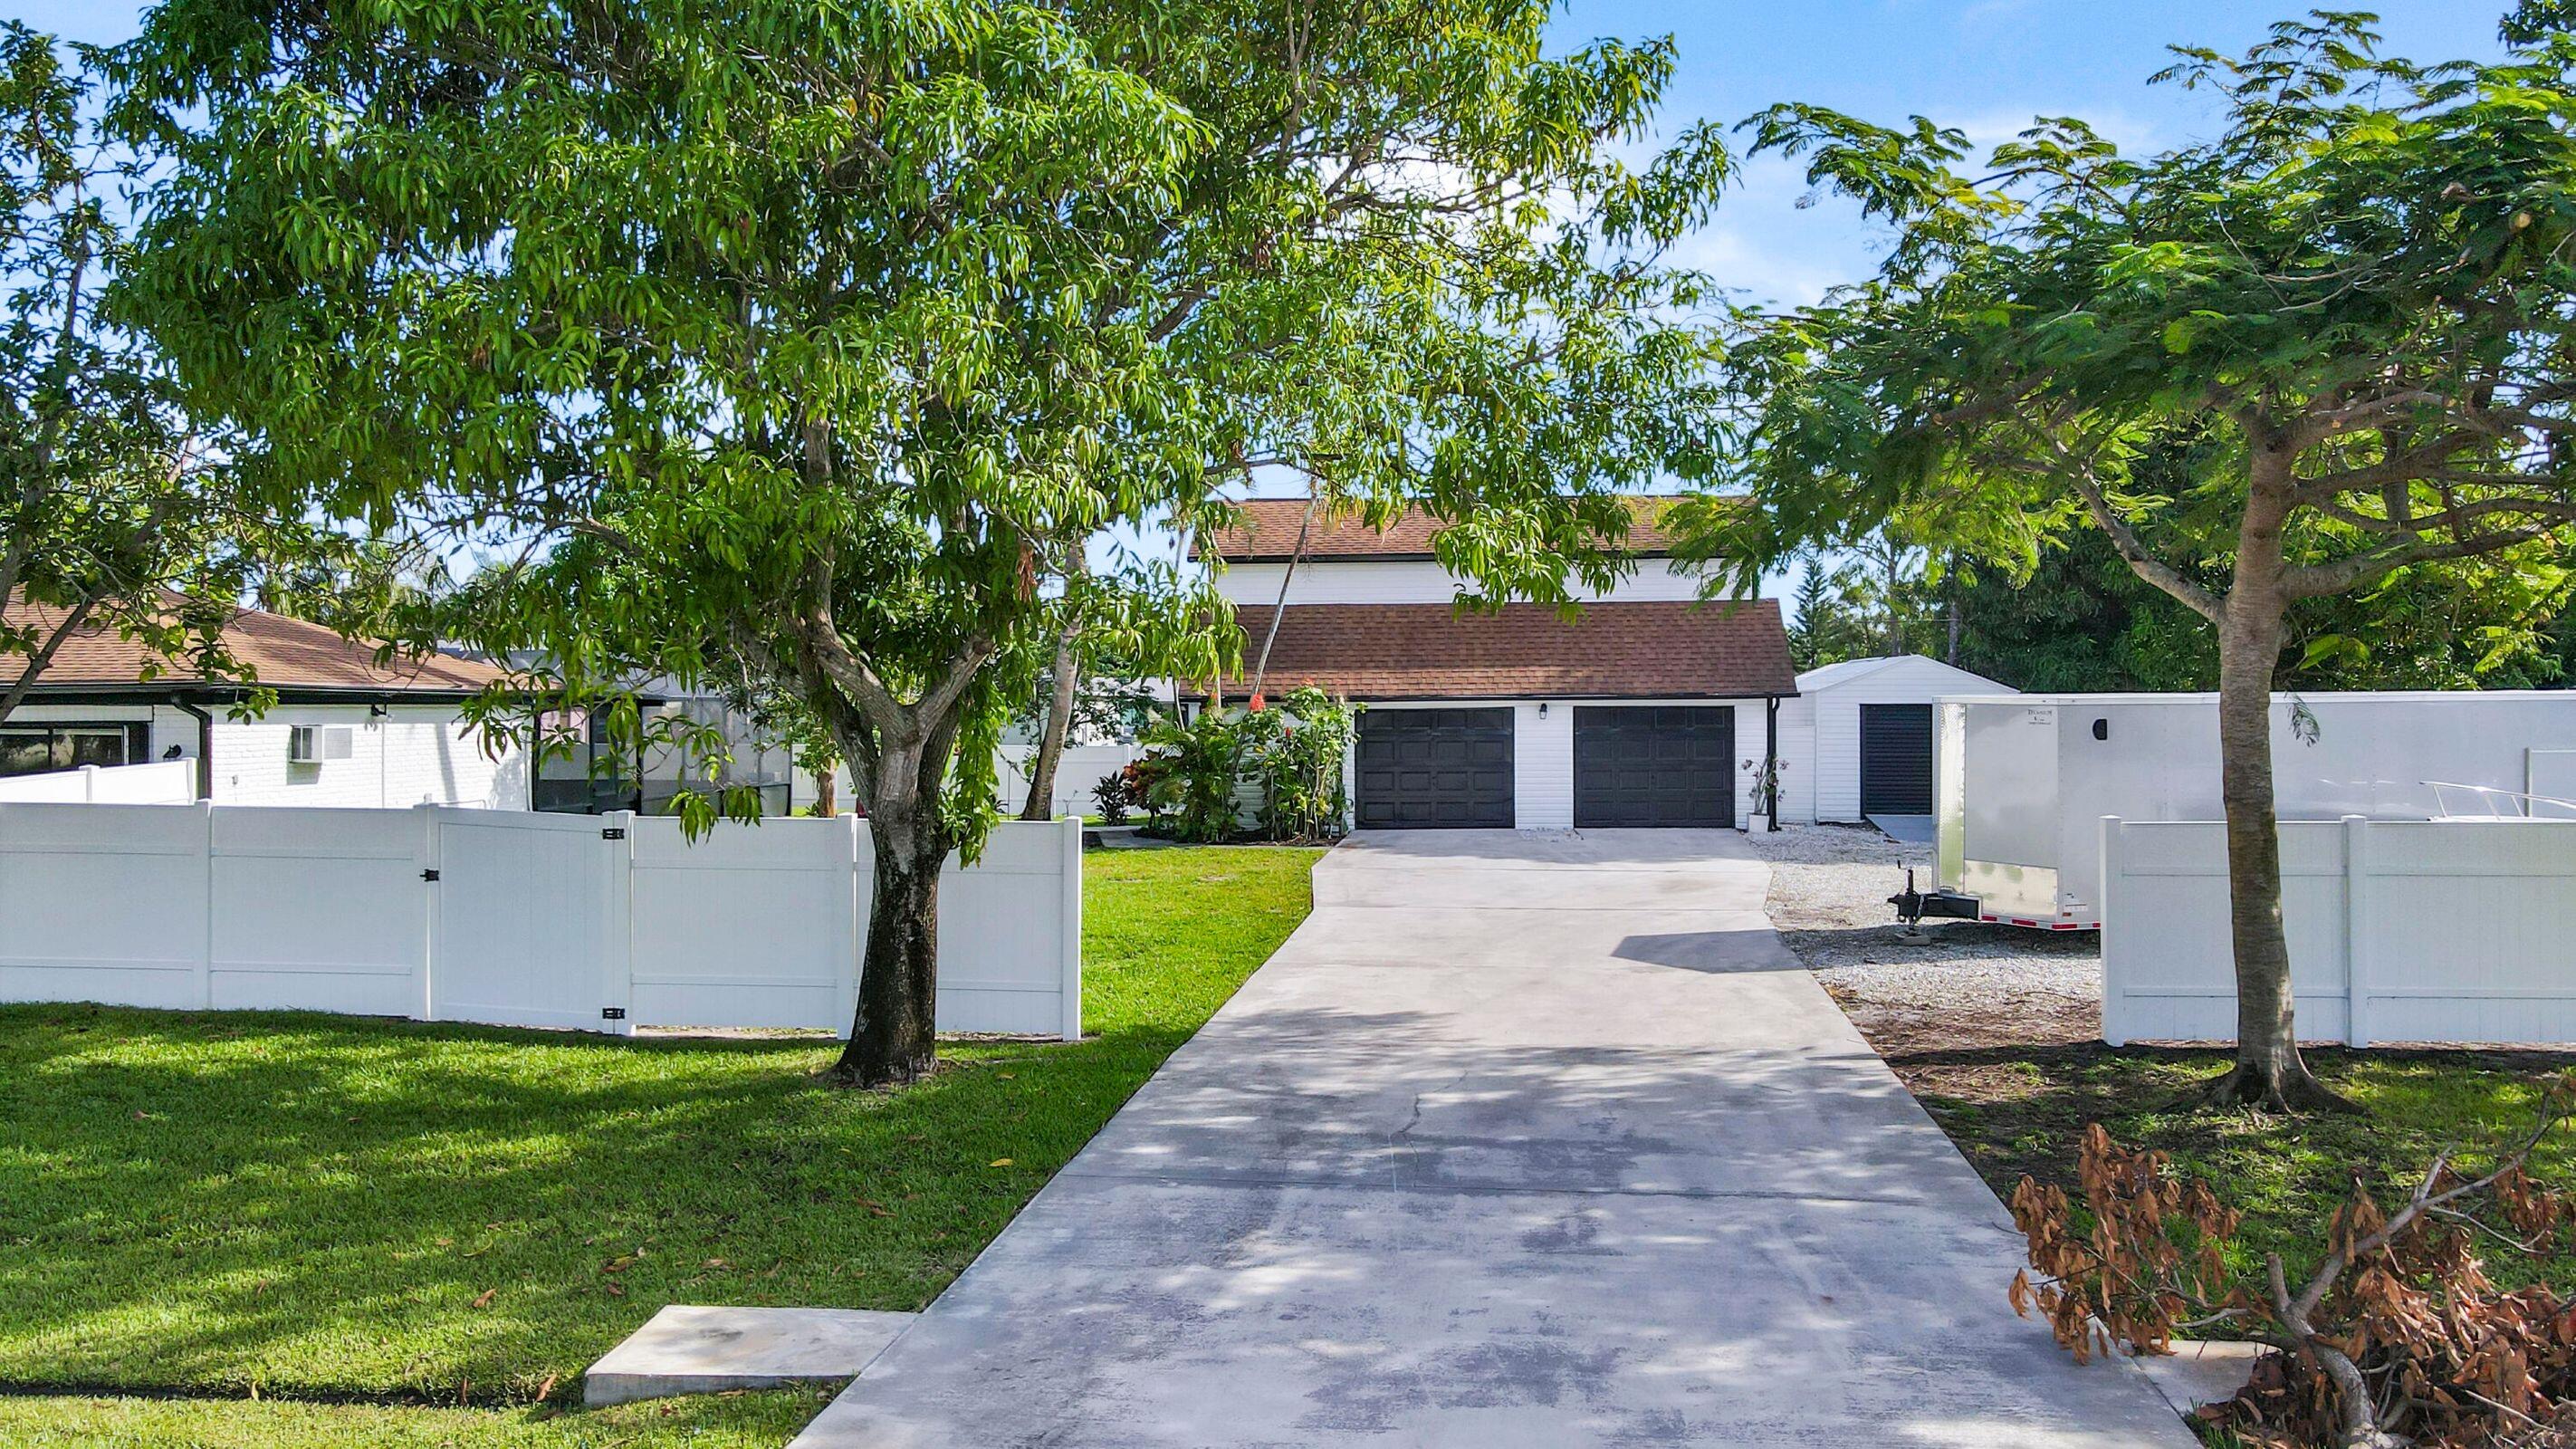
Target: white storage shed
1863,731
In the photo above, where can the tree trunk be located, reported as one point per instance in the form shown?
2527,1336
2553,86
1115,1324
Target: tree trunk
1040,804
1279,607
824,804
1895,626
2269,1073
893,1038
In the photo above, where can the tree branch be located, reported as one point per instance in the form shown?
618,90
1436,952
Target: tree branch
17,689
2133,549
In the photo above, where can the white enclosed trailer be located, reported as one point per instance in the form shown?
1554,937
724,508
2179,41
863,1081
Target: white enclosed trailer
2026,779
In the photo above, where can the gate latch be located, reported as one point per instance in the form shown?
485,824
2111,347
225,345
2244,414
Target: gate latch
613,832
612,1013
429,875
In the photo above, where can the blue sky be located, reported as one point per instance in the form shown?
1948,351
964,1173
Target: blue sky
1987,66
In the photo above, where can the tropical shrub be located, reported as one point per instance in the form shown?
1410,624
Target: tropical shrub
1190,776
1295,753
1115,794
1194,772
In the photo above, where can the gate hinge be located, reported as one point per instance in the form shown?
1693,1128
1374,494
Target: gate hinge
613,832
429,875
612,1013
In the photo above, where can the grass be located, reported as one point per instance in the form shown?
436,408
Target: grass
2021,1109
328,1208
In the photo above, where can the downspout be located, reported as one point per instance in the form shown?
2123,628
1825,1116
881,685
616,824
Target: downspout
205,746
1771,759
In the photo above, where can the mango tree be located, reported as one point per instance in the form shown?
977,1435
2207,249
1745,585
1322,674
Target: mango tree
806,342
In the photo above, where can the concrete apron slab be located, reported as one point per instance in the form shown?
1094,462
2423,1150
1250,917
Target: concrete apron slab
1566,1151
686,1349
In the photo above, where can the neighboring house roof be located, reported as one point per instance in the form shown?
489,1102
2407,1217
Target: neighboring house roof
276,652
1525,651
1268,533
1831,676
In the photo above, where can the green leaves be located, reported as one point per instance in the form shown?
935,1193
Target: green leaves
113,497
804,349
2346,307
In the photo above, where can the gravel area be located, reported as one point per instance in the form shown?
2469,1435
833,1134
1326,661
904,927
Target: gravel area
1972,985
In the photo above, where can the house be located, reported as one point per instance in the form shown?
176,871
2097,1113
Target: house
344,730
583,772
1859,737
1650,708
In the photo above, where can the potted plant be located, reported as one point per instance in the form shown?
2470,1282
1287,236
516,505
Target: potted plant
1766,795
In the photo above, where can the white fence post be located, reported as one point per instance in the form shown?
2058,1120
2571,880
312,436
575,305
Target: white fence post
2112,1001
1070,883
617,948
2356,931
426,849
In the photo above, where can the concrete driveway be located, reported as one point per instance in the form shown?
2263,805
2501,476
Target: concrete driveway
1521,1140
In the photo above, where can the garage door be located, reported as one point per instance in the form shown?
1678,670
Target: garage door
1896,759
1435,769
1660,766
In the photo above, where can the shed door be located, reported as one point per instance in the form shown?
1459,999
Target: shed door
1654,766
1435,769
1896,759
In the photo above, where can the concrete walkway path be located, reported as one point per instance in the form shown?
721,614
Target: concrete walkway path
1521,1140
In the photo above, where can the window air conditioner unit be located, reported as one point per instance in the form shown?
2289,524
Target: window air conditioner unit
312,744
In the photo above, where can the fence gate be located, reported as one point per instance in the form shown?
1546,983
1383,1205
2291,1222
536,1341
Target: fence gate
530,918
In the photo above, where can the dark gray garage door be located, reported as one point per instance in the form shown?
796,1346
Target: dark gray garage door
1896,759
1435,769
1659,766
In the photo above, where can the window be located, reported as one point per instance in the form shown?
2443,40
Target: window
582,772
33,749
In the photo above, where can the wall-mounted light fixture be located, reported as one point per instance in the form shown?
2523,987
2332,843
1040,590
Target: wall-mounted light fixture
1542,709
379,710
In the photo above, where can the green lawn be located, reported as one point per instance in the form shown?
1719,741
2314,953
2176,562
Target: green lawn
2021,1109
300,1205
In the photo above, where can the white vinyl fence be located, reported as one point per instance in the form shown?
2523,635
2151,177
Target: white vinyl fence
1075,774
2399,930
444,913
163,782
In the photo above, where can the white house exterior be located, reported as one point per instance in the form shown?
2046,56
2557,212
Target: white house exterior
344,731
1857,741
1649,708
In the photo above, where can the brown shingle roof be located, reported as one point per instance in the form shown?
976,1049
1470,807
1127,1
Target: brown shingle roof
1609,651
1268,533
284,653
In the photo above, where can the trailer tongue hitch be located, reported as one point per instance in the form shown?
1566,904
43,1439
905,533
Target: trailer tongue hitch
1913,905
